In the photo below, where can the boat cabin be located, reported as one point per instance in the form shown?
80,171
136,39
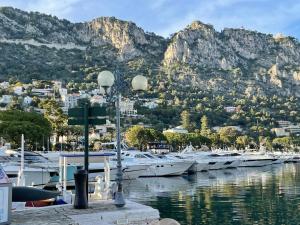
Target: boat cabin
158,147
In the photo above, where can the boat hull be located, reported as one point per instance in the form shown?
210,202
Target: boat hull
167,169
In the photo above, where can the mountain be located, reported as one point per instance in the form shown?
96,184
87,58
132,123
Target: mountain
39,46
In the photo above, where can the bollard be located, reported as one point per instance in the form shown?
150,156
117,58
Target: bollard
81,201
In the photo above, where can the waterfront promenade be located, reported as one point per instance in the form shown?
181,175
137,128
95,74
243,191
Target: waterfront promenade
103,212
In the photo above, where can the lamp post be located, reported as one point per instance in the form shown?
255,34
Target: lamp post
106,80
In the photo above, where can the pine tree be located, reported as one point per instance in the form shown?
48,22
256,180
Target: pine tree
185,119
204,126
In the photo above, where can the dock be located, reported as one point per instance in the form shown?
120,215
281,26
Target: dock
101,212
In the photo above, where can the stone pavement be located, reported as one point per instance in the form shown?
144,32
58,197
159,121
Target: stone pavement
102,213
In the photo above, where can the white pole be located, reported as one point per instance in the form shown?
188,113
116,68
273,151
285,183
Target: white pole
21,178
22,153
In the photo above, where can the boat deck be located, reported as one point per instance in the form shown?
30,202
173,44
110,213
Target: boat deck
103,212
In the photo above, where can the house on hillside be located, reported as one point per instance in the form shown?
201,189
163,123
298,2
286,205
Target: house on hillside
178,130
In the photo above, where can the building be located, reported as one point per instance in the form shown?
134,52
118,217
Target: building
127,108
63,92
293,129
98,99
27,100
178,130
18,90
46,92
284,123
280,132
150,105
287,131
70,100
6,99
4,85
230,109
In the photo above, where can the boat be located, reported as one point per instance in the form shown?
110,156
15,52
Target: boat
96,169
158,147
157,166
256,160
206,160
13,163
33,176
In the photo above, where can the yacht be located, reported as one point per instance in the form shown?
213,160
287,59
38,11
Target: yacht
130,171
157,166
36,172
206,160
256,160
33,176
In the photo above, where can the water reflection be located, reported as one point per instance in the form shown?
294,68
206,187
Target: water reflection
265,195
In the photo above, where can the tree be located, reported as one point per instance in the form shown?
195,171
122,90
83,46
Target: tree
54,115
139,136
32,125
205,131
228,135
283,142
243,141
185,119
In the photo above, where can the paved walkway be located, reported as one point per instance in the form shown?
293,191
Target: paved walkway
104,213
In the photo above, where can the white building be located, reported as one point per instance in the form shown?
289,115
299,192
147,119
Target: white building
4,85
18,90
127,108
98,99
280,132
6,99
70,100
63,92
46,92
27,100
284,123
150,105
287,131
178,130
230,109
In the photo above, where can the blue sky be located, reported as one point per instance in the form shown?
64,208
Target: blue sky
168,16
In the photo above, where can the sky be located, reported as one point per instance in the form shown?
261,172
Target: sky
165,17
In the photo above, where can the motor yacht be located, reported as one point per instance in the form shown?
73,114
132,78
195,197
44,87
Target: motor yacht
130,171
33,176
158,166
206,160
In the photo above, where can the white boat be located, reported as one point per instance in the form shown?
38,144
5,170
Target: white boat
256,160
130,171
205,160
158,167
33,176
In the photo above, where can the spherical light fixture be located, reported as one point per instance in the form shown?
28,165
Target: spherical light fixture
139,83
106,79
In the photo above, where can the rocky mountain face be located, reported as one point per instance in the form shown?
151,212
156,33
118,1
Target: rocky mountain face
35,45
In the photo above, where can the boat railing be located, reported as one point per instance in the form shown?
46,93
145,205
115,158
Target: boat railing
78,159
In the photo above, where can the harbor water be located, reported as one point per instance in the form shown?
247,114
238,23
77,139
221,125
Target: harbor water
263,195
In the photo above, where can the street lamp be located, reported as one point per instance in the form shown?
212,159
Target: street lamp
139,83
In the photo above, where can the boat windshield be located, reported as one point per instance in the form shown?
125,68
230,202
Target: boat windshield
149,156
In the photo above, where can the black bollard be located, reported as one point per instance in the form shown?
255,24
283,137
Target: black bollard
81,201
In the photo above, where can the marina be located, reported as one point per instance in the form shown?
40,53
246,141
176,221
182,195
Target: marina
103,121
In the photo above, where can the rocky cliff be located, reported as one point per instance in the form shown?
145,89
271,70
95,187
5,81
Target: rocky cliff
35,45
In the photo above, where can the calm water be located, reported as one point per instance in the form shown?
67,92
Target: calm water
266,195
